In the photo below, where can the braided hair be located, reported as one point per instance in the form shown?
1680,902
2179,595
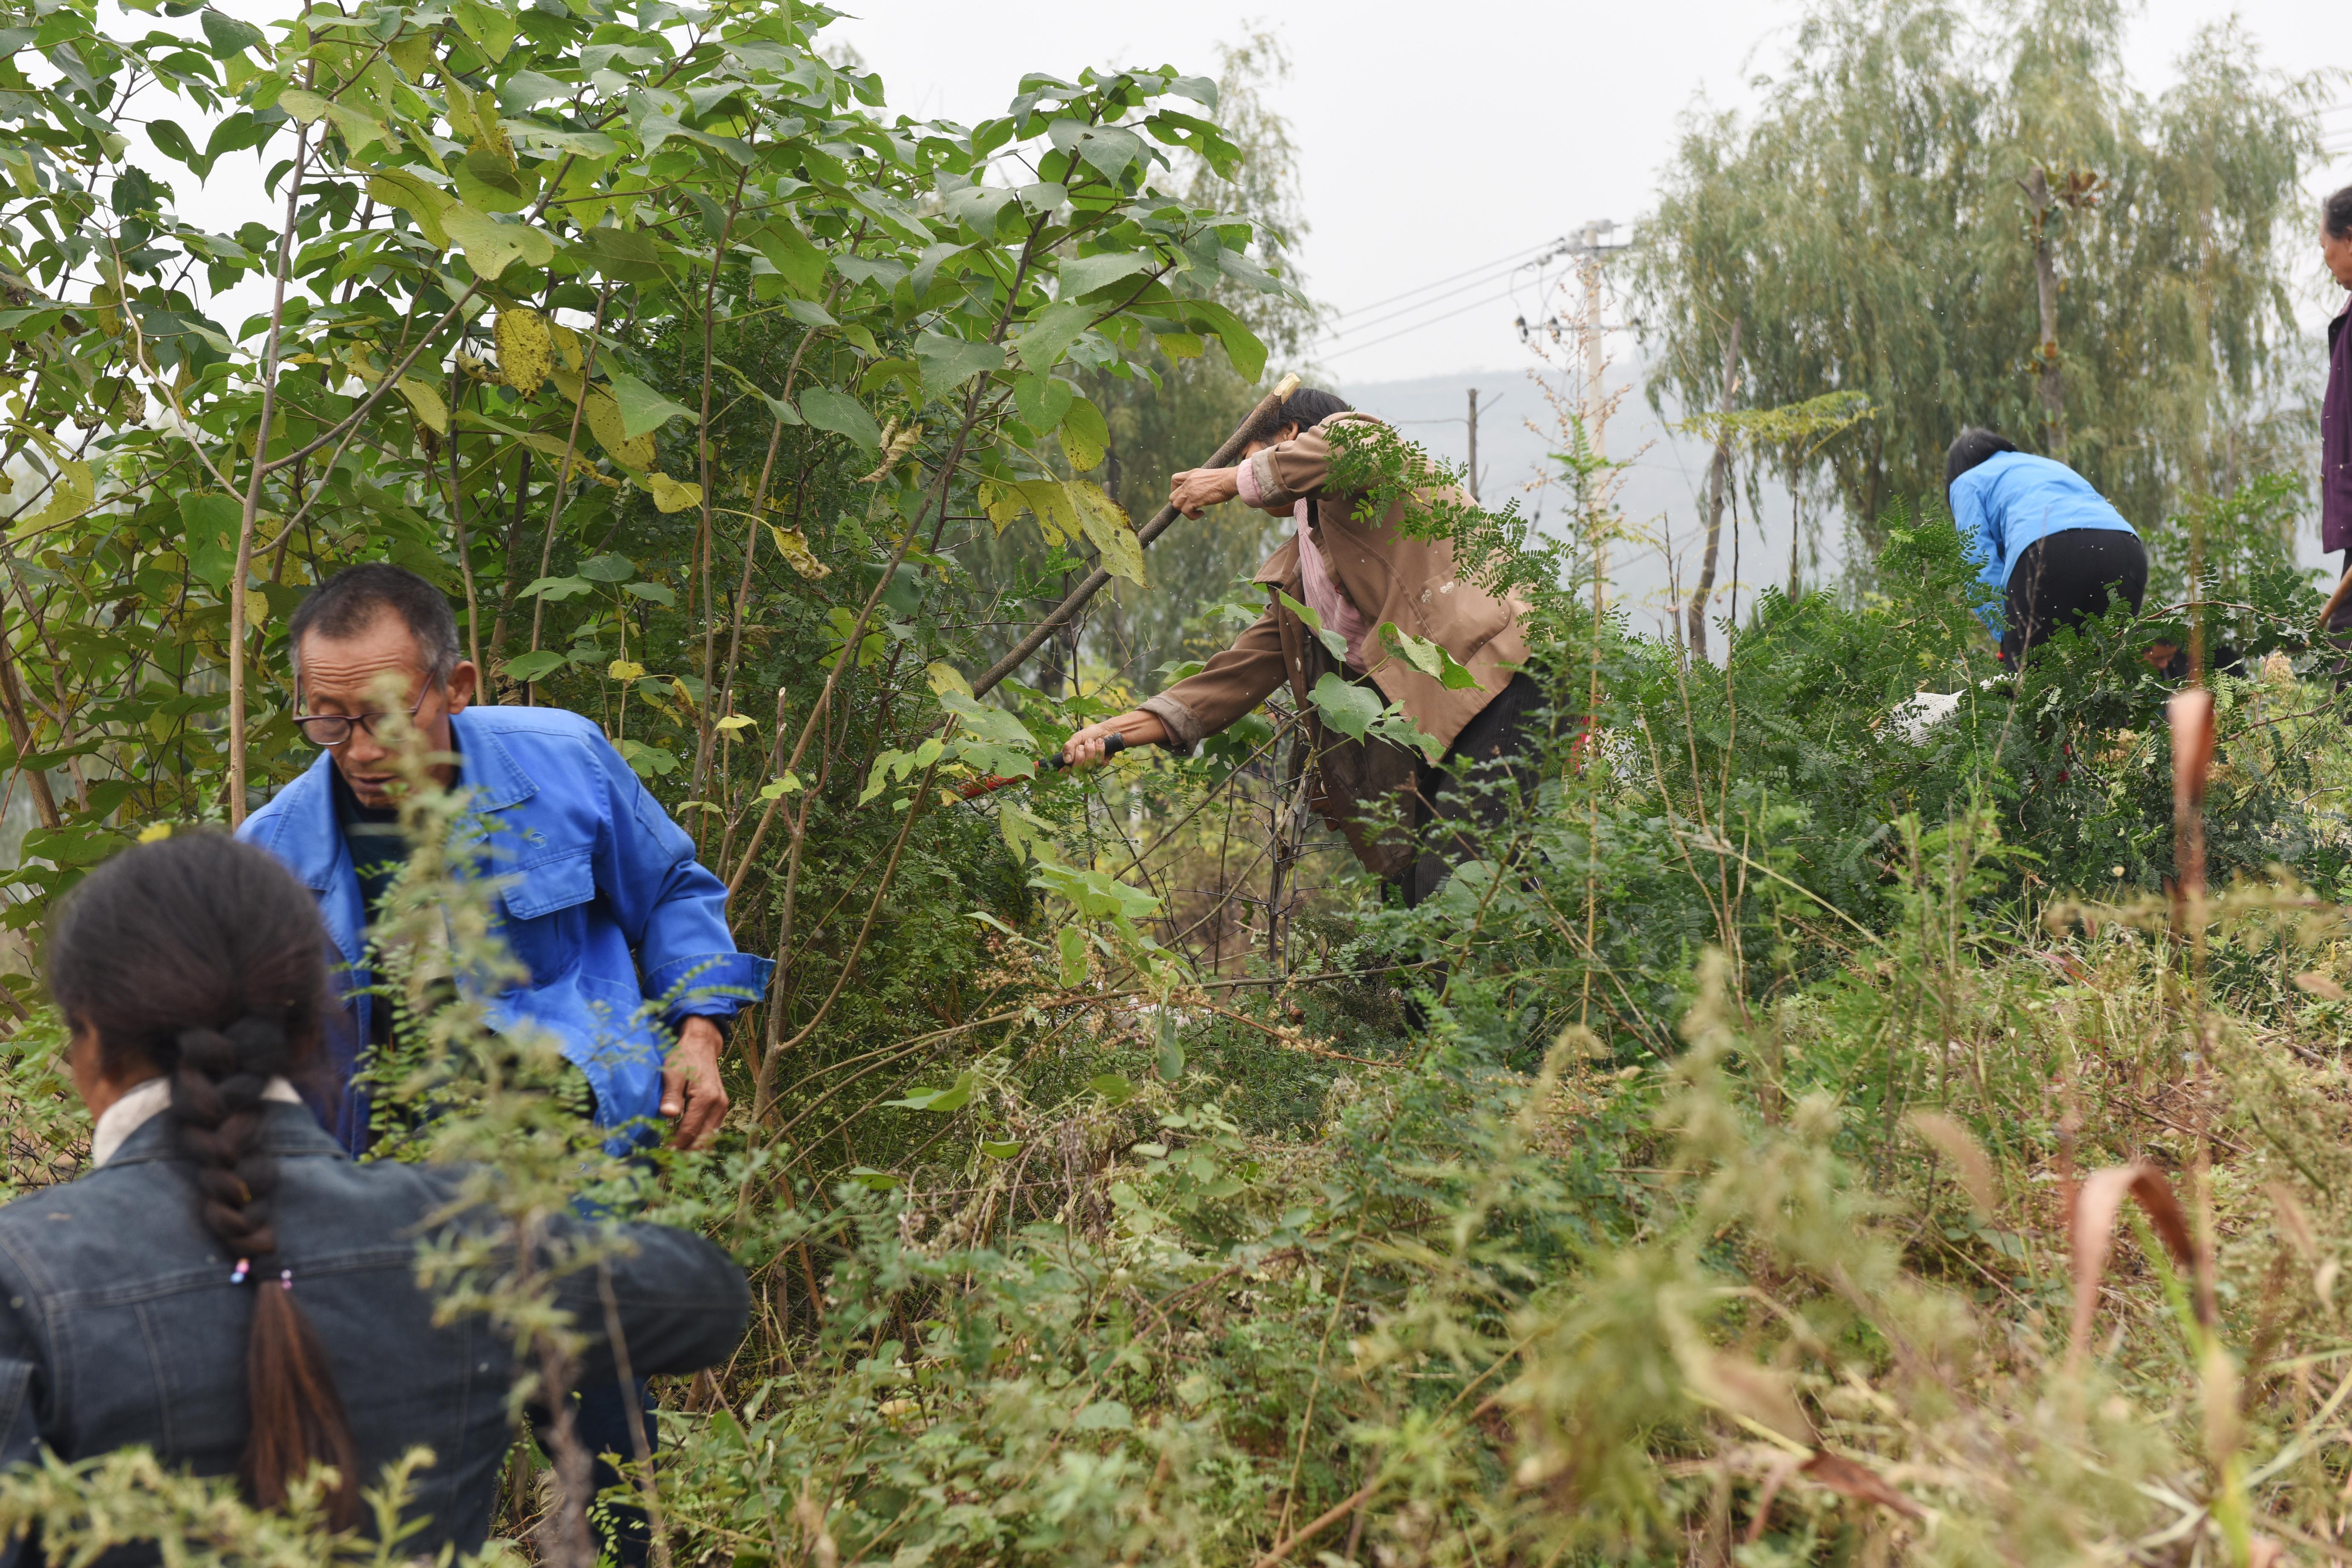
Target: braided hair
204,960
1306,408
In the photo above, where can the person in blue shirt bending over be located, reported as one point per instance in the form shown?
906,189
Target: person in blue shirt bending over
2054,553
623,931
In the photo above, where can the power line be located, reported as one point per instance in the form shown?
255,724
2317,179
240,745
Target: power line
1412,309
1515,257
1488,277
1434,320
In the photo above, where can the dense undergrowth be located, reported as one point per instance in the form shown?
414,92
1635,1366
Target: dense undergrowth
1717,1208
1818,1128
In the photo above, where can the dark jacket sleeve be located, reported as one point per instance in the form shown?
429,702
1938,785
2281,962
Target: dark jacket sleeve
20,1420
680,1302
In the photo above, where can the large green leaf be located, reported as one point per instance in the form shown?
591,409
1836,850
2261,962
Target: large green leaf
1427,657
1346,705
644,410
1333,643
948,362
841,414
1049,334
1085,274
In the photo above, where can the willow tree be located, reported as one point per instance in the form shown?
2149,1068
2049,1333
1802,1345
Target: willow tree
1979,220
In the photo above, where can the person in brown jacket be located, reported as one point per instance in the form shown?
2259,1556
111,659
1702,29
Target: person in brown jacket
1357,574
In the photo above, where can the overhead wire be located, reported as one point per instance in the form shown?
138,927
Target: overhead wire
1484,278
1512,259
1402,332
1484,281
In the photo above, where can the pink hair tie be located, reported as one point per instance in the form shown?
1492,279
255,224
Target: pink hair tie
237,1275
286,1279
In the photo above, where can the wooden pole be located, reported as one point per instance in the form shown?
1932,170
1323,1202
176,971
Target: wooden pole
1062,613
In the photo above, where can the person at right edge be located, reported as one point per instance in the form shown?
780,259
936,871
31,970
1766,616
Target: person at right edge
1358,574
224,1285
2053,551
2336,422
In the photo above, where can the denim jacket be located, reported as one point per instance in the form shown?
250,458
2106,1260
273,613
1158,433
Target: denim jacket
118,1325
601,897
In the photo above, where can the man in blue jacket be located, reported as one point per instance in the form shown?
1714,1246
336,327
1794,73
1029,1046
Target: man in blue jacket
2053,551
623,931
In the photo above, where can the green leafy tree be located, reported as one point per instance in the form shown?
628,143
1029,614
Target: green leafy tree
645,330
1179,413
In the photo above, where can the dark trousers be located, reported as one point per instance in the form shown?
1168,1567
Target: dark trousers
600,1415
2065,578
1471,789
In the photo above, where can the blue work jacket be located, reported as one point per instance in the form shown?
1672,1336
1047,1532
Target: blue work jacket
2011,499
601,897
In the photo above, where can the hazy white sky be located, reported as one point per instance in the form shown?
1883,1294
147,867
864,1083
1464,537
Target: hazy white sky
1433,142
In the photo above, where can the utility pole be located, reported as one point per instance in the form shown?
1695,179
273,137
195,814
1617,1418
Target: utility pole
1473,443
1588,330
1590,246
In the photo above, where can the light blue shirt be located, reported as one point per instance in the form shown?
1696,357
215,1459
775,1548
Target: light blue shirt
599,895
2011,499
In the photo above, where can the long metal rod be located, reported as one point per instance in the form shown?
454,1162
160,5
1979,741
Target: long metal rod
1166,516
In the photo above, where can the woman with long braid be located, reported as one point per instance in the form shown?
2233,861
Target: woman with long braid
226,1287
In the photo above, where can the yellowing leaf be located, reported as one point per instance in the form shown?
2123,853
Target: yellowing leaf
413,52
420,200
623,669
1108,531
1084,437
734,722
669,495
1002,502
605,421
525,348
72,491
462,123
424,401
491,246
567,343
358,129
1057,518
793,546
153,831
946,677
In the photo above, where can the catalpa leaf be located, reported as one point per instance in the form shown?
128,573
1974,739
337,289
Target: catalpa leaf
1333,643
986,723
1347,707
1427,657
644,410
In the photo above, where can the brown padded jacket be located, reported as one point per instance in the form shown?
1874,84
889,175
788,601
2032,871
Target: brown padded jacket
1389,577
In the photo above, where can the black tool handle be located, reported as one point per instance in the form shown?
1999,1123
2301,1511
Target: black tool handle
1113,744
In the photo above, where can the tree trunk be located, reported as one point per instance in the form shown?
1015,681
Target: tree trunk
1718,475
2045,353
20,735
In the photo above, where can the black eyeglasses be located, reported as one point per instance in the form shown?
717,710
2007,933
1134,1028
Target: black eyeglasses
329,731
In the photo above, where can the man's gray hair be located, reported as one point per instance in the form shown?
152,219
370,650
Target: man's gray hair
348,603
